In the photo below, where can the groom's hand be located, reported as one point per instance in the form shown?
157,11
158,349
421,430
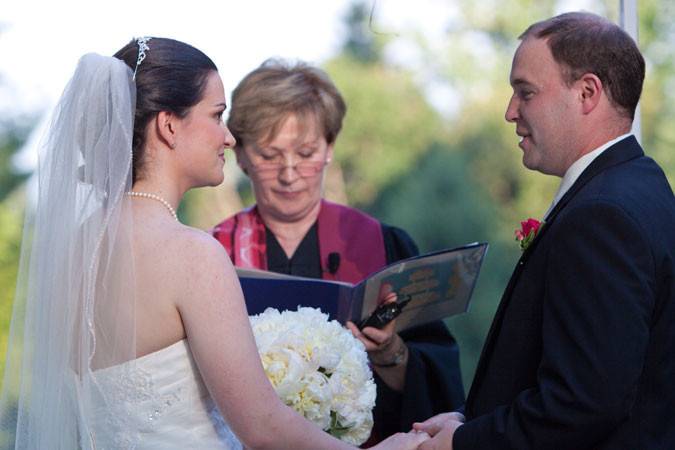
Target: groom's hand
442,427
437,423
442,440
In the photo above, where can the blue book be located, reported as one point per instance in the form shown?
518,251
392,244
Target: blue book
435,285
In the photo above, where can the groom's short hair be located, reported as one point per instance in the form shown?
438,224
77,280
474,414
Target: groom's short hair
587,43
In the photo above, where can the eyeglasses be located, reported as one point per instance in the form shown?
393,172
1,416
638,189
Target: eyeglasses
305,169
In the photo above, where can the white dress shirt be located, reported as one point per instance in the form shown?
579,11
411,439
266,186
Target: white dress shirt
577,168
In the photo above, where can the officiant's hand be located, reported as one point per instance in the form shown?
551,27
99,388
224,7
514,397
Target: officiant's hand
387,352
442,429
383,345
403,441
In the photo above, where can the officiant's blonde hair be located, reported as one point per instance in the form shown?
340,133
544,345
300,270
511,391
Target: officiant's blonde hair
267,96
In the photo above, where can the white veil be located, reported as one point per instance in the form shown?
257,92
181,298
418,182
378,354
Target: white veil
74,309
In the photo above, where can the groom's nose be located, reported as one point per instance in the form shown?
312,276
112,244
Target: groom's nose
511,114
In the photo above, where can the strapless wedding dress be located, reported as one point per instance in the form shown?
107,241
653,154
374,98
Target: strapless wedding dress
158,401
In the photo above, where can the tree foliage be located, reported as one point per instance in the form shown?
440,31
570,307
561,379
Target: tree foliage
388,126
12,136
11,214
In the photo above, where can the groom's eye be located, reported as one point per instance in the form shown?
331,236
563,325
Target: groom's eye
528,94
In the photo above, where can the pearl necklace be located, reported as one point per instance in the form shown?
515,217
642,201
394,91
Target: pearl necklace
154,197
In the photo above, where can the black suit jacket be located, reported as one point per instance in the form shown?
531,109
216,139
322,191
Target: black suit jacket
581,352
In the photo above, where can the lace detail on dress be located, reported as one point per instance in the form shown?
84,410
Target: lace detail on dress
120,432
133,385
133,391
159,401
165,402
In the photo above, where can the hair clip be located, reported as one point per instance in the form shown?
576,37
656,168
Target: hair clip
142,47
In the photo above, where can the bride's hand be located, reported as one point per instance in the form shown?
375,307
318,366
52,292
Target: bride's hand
402,441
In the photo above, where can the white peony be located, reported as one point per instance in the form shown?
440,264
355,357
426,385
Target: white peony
319,369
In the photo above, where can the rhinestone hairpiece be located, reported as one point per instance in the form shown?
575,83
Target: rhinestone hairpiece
142,47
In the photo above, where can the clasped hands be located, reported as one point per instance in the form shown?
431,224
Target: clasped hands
433,434
441,428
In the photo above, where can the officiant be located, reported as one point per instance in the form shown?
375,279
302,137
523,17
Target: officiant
286,118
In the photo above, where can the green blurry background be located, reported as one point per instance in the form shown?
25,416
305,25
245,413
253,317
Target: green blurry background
447,178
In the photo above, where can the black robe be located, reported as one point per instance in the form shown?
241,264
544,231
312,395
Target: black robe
433,382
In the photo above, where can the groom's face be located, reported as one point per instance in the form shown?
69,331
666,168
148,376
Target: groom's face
542,108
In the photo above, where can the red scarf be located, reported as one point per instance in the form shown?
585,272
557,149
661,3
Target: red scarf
353,235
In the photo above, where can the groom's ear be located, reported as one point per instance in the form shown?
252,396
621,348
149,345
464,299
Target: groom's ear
166,127
590,92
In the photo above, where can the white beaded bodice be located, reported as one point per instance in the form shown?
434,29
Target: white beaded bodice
158,401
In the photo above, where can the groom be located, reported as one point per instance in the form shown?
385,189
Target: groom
581,353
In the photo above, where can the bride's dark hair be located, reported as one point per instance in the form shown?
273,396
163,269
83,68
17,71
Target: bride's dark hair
172,77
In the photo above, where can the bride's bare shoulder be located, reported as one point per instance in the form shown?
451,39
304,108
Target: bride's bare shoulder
202,270
183,259
199,247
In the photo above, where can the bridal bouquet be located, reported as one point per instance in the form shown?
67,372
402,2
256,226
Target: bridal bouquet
319,369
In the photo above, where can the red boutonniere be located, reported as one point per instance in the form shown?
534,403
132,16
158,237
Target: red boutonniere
528,231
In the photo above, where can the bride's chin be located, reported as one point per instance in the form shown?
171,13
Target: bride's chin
210,182
218,181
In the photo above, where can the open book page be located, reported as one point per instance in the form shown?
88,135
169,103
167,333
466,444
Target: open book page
439,285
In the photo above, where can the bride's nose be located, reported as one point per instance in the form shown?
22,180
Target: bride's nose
230,141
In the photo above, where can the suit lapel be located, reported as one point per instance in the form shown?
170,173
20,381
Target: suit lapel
618,153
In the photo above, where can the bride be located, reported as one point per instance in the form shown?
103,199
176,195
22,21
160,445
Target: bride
129,328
